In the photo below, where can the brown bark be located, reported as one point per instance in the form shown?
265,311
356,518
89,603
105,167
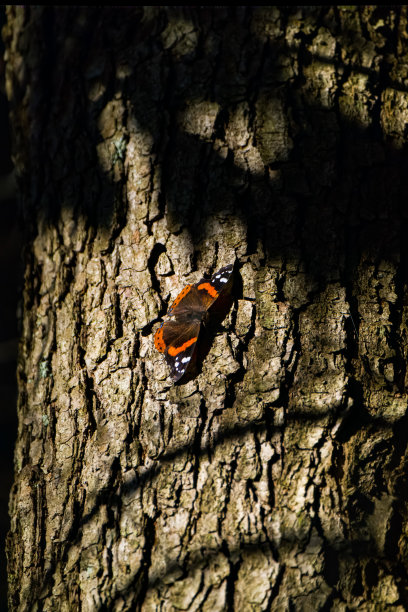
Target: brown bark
152,144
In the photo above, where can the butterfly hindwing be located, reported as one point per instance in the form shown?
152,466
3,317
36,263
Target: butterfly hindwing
191,306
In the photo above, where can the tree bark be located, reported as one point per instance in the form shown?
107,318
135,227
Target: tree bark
152,144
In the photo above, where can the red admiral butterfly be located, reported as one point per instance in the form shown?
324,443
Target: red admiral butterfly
177,337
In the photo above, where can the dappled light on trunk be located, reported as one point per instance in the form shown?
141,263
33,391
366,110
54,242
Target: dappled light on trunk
153,144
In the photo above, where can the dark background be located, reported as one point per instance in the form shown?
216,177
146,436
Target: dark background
10,275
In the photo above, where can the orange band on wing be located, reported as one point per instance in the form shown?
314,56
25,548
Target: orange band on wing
158,340
180,297
173,350
209,288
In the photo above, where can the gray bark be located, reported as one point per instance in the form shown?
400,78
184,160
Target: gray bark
150,145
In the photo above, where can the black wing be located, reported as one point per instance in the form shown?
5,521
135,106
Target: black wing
181,343
219,283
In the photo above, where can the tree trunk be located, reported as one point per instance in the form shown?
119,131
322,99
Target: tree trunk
152,144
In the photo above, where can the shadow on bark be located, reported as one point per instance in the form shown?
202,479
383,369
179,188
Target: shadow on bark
335,550
337,196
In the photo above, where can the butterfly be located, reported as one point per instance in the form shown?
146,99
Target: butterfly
177,336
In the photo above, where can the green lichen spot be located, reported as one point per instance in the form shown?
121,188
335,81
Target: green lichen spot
120,146
44,368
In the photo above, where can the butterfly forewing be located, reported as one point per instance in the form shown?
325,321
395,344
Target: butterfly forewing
210,290
176,336
181,342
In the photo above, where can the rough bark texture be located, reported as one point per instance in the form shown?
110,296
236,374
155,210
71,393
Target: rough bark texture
152,144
